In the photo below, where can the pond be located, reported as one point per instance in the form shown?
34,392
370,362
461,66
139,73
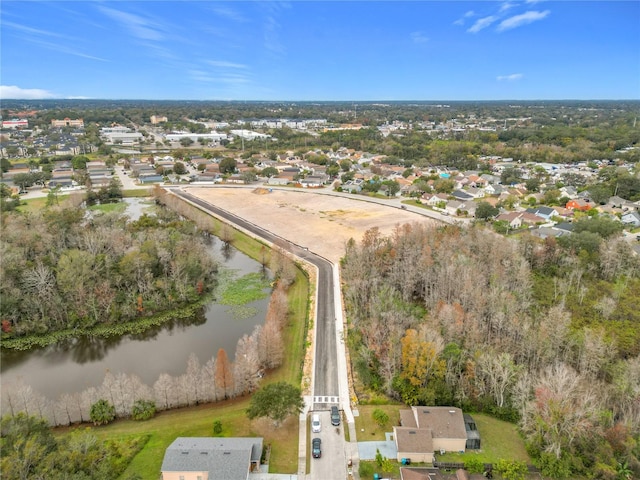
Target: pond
73,366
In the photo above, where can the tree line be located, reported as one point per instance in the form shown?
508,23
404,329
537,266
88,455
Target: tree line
220,378
65,268
454,316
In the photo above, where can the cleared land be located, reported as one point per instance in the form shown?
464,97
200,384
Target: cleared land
322,223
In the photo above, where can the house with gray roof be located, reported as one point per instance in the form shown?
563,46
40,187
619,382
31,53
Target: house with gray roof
631,218
425,431
542,211
209,458
461,195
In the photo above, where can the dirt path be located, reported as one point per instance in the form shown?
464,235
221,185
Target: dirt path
322,223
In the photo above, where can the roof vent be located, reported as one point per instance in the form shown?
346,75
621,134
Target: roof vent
452,411
412,432
185,453
425,411
204,453
227,453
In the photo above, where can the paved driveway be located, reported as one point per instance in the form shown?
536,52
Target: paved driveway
367,450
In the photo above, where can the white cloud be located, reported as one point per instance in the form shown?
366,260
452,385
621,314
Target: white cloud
13,91
506,6
223,64
522,19
229,13
482,23
137,26
468,14
33,31
509,78
419,37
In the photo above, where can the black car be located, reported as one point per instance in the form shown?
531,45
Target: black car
335,416
316,451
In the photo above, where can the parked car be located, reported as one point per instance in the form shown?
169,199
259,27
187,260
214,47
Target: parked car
316,449
316,426
335,416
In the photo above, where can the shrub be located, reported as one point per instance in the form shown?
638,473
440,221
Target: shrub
380,417
143,410
102,412
217,427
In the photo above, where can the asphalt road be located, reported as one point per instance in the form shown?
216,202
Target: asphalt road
325,382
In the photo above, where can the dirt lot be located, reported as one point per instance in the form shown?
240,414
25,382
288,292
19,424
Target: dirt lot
322,223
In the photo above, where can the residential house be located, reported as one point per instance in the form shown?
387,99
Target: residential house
562,212
520,219
631,218
420,473
453,207
278,180
211,458
490,179
461,195
425,197
475,192
476,181
578,204
546,232
150,177
427,430
565,227
314,181
494,189
542,211
618,202
569,191
434,200
353,186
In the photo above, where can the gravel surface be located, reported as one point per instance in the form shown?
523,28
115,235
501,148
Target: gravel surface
323,223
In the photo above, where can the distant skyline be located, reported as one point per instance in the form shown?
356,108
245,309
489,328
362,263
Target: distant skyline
322,51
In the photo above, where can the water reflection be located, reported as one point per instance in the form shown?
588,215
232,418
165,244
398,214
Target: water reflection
77,364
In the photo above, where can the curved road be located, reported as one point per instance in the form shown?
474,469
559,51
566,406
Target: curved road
325,381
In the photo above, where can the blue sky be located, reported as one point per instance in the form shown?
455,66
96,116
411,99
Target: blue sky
330,50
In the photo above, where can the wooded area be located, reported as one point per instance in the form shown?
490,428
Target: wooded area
65,269
450,316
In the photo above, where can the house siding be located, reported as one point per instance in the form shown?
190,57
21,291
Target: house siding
185,475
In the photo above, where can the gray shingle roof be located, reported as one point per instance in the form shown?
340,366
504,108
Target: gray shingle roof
223,458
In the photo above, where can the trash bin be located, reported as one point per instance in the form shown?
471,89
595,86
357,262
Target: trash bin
406,461
376,476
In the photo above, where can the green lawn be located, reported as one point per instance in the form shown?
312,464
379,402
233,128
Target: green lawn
198,421
109,207
367,430
499,440
32,205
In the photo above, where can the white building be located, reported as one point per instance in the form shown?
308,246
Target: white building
213,136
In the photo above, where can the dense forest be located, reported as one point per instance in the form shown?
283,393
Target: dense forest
30,450
64,268
532,332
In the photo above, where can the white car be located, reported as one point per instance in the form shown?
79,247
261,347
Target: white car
316,426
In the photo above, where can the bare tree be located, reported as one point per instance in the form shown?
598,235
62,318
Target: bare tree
563,411
595,352
246,367
270,345
164,390
499,373
224,375
193,379
66,404
208,380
